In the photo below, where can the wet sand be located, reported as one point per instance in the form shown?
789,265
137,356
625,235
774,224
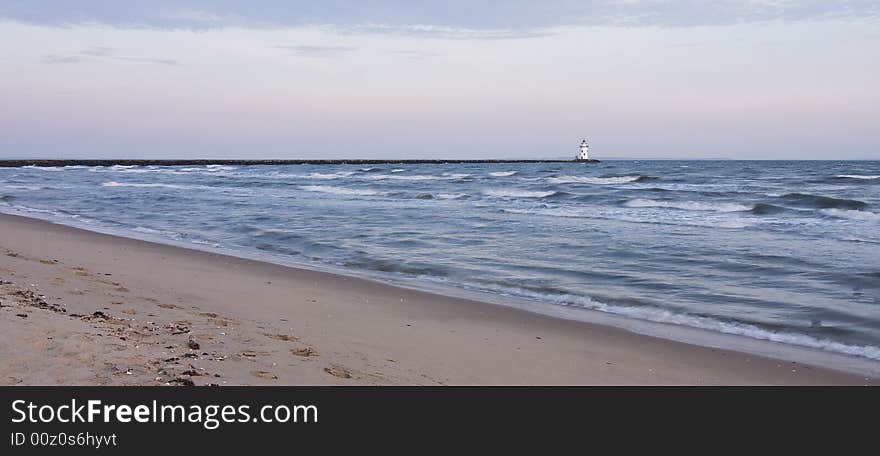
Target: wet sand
82,308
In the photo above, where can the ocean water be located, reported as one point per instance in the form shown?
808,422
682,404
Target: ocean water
786,251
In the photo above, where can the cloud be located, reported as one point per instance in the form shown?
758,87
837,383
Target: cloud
98,51
56,59
317,51
471,19
417,55
101,53
444,31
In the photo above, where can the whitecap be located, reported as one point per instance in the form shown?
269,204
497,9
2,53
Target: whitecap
415,177
852,214
149,185
451,195
340,190
339,175
503,173
857,176
593,180
689,205
518,193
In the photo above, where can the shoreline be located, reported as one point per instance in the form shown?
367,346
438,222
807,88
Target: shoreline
301,326
765,343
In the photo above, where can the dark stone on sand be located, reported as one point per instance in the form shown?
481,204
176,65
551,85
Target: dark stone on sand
21,315
183,381
192,344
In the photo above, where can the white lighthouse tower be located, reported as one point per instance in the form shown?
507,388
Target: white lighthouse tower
584,154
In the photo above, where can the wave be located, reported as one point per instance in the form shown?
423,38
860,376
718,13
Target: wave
856,176
596,180
23,187
338,175
822,202
574,213
852,214
442,196
660,315
151,185
340,190
415,177
5,198
448,196
44,168
398,170
503,173
767,209
689,205
519,193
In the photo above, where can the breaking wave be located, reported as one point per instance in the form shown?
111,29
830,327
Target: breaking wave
340,190
519,193
503,173
852,214
689,205
151,185
596,180
339,175
659,315
822,202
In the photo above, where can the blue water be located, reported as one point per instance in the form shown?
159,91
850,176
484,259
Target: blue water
787,251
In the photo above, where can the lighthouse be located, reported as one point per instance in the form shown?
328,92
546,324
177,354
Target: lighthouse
584,154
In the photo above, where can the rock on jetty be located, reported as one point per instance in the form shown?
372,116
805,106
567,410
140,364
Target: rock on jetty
125,162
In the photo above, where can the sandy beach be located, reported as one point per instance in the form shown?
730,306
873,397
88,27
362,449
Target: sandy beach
82,308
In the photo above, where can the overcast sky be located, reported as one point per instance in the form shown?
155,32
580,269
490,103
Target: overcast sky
446,79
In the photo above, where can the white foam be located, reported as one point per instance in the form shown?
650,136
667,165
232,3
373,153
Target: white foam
689,205
592,180
339,175
518,194
857,176
415,177
451,195
503,173
623,217
150,185
666,316
852,214
22,187
340,190
398,170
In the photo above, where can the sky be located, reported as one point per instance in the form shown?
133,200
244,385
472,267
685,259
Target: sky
752,79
